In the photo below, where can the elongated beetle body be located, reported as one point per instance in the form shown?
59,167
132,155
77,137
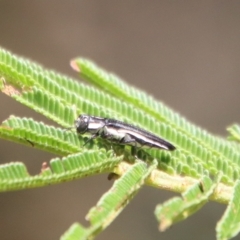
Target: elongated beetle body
119,132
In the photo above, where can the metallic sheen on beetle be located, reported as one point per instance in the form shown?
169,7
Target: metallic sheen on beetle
119,132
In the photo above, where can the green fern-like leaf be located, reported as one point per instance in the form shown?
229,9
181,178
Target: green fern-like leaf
113,201
76,232
35,134
199,157
177,209
229,226
14,176
234,130
208,150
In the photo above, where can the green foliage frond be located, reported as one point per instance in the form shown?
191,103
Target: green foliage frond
62,99
76,232
119,194
37,134
48,105
207,150
199,154
113,201
234,130
229,225
179,208
14,176
139,99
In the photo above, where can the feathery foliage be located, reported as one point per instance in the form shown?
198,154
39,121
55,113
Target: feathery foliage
199,158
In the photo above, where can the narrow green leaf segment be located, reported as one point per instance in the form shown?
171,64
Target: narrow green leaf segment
113,201
122,191
76,232
229,225
179,208
39,135
48,105
14,176
234,130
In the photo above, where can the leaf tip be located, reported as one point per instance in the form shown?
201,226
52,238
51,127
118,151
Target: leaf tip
164,225
74,65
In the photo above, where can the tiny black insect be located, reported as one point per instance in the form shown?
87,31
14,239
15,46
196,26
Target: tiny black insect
119,132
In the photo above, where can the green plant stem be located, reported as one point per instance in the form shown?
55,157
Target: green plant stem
177,183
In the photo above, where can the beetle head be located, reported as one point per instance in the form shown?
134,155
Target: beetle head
81,123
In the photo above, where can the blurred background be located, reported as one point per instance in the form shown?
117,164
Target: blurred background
185,53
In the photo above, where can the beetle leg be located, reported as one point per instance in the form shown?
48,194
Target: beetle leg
128,139
91,138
